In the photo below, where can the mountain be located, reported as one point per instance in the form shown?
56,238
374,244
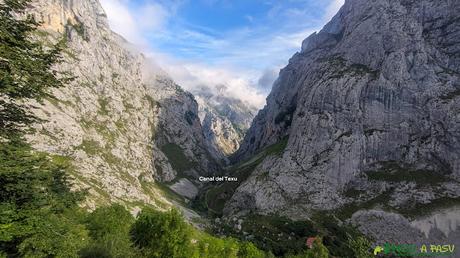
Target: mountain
362,124
366,118
225,119
127,129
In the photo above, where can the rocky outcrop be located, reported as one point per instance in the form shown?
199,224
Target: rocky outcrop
179,135
438,229
122,124
371,109
225,120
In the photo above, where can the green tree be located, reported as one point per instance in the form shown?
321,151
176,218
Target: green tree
162,234
209,247
34,191
250,250
34,195
231,248
318,250
109,230
25,67
56,235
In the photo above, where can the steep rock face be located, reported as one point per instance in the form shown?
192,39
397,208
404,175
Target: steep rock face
179,134
225,120
371,108
115,119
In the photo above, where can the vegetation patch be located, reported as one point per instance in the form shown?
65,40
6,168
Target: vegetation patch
102,129
283,237
393,172
91,147
274,149
353,193
71,54
79,27
153,103
216,196
277,148
451,95
190,117
286,116
103,106
57,102
177,158
128,106
121,125
347,210
350,69
149,188
170,194
424,209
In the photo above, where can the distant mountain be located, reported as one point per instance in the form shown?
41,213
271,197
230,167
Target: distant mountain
225,120
367,120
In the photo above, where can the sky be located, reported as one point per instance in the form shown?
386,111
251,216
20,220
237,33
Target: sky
241,44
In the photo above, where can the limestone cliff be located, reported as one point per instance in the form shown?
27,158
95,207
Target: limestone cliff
122,124
370,107
225,120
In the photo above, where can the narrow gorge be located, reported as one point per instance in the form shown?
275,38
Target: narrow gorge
359,136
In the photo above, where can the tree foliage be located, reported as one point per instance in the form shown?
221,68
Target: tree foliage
26,67
361,246
161,235
166,234
109,230
318,250
34,191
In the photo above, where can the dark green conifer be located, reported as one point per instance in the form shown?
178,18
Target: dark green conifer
35,193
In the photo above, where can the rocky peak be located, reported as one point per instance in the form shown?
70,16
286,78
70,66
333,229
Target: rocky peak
370,109
225,120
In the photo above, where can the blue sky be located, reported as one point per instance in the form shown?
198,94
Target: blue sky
241,43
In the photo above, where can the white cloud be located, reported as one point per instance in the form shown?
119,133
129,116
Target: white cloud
192,76
267,78
133,24
122,22
242,59
152,16
332,9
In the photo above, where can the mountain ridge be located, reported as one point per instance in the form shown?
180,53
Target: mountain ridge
370,108
123,121
362,123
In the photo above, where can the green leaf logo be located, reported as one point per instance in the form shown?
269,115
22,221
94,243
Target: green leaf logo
377,250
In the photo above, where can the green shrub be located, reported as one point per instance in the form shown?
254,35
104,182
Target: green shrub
159,234
250,250
360,246
54,236
109,230
318,250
